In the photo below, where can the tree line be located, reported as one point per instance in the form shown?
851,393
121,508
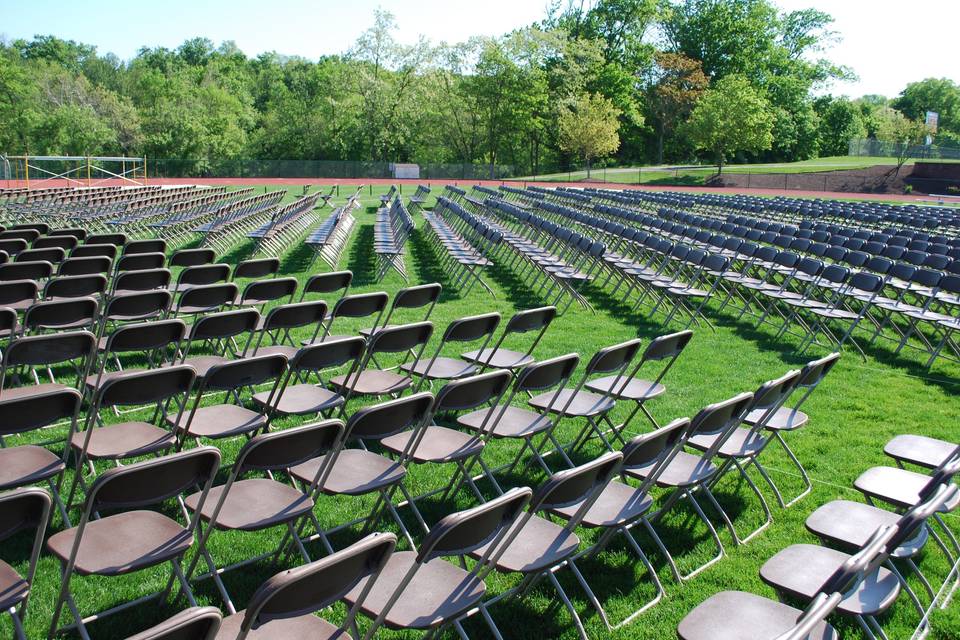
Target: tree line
626,81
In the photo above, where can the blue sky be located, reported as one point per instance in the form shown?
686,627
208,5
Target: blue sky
886,42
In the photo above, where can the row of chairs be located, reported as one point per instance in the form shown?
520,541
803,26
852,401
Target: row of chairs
391,230
330,237
233,220
463,241
287,224
177,226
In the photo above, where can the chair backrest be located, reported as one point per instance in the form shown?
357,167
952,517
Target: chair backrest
257,268
547,374
720,419
23,413
269,290
656,447
37,351
361,305
295,315
33,270
140,262
53,255
400,338
145,246
203,274
75,286
379,421
250,371
321,583
328,282
62,242
18,291
52,314
280,450
468,393
771,395
145,387
192,257
146,336
142,280
424,295
324,355
195,623
24,509
8,321
150,482
117,239
613,358
206,297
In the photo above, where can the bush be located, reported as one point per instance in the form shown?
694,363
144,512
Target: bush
908,188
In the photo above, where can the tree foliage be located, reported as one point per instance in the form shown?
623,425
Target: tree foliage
588,127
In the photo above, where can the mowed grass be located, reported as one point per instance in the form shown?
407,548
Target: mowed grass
697,175
858,408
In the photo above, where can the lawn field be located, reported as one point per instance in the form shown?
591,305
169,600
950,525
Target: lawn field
697,175
856,410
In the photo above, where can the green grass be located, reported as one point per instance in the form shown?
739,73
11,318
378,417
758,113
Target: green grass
857,409
687,175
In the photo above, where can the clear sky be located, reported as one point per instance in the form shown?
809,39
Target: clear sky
887,42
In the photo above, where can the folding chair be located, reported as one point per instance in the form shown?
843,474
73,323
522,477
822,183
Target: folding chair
357,472
64,287
434,444
229,419
663,349
283,607
53,255
121,441
199,275
21,510
154,245
95,250
280,321
133,538
23,356
139,281
577,402
687,474
505,421
438,367
363,305
18,294
60,315
205,299
328,283
742,446
254,504
37,271
195,623
419,297
421,590
140,262
620,507
29,464
787,419
259,293
497,357
215,332
116,239
372,381
735,615
540,548
305,397
74,266
257,268
192,257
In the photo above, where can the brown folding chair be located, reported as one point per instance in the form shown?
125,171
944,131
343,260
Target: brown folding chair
60,315
22,509
418,297
26,355
464,330
155,342
215,333
363,305
132,538
257,268
192,257
323,283
18,294
357,472
195,623
283,607
423,591
62,287
31,464
497,357
370,380
200,275
281,320
257,503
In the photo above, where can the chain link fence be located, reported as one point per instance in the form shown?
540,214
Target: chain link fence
334,169
878,148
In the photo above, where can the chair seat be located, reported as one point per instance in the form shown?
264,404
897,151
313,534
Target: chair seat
374,382
635,389
305,626
355,472
513,423
801,569
570,402
124,440
850,524
499,358
737,615
896,486
742,443
836,314
684,470
122,543
27,464
301,399
13,588
618,504
253,504
539,545
221,421
441,368
919,450
783,419
439,444
274,349
438,592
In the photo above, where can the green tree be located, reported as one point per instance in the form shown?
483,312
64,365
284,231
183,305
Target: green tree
588,127
904,134
933,94
674,87
731,117
840,122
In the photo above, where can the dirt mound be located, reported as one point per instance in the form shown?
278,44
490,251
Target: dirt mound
877,179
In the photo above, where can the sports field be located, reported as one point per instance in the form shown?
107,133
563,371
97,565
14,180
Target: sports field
857,409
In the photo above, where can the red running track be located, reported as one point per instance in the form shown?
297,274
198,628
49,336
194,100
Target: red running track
889,197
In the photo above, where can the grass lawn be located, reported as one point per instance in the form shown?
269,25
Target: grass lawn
691,175
857,409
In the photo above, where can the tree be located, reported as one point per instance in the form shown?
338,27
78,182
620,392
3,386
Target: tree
731,117
588,127
840,122
901,132
933,94
675,86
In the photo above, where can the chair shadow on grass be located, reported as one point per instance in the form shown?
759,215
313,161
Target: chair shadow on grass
238,252
298,261
362,262
428,266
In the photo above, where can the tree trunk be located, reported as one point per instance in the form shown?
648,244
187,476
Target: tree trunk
587,160
660,144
